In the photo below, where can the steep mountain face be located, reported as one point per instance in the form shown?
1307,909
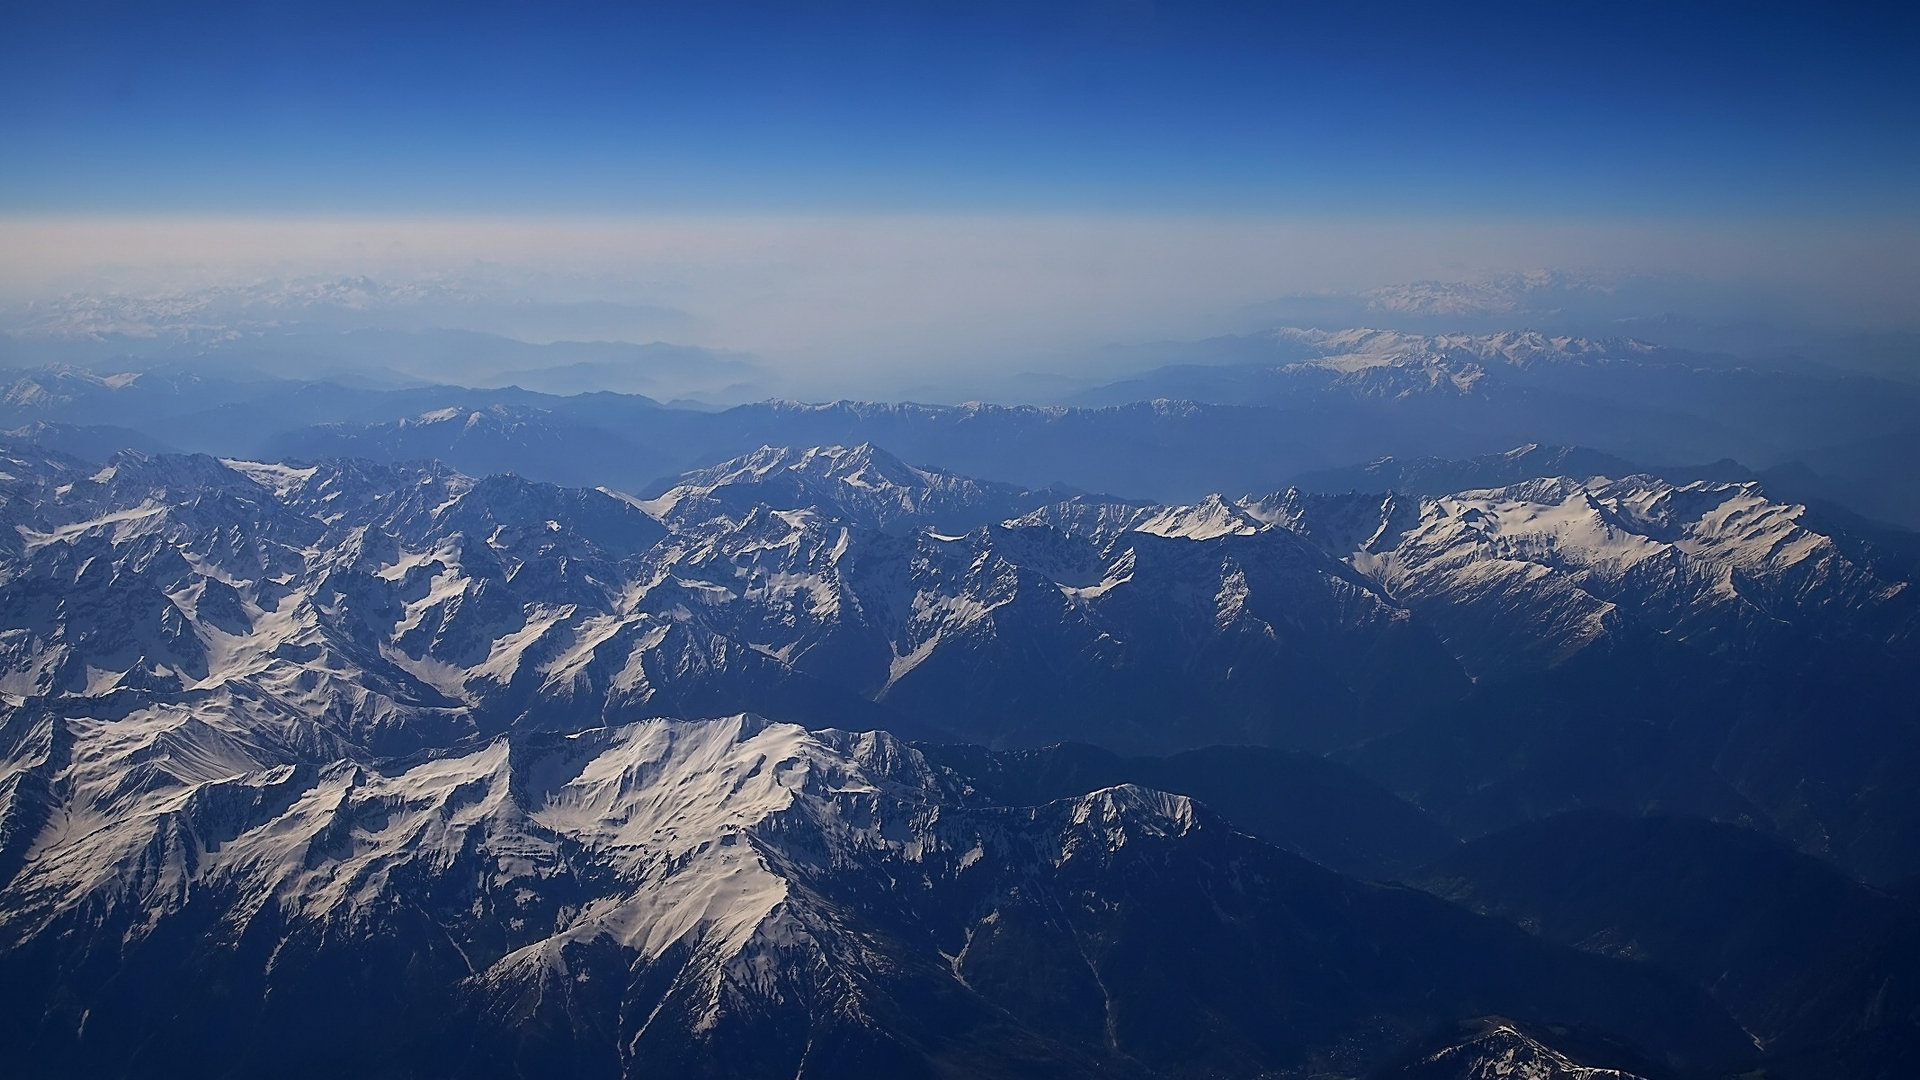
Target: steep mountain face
727,898
1823,971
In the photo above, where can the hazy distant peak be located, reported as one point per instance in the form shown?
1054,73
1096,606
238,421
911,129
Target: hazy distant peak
59,384
1504,294
225,307
861,484
1515,347
866,461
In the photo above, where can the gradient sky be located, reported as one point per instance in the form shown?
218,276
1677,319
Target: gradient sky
1747,111
864,189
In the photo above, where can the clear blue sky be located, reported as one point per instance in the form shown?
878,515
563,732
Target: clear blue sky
1544,109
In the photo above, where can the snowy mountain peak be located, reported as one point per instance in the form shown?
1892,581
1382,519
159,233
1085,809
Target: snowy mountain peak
862,485
864,465
1500,1051
1110,817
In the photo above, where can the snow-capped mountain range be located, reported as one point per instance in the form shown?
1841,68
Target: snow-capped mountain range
1289,362
1394,362
383,748
220,311
1259,412
737,898
408,605
1504,295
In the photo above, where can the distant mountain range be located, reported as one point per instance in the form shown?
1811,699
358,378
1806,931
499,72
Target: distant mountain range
1263,412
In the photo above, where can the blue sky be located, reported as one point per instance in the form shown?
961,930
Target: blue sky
870,189
1548,110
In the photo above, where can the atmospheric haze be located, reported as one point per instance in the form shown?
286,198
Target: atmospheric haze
874,305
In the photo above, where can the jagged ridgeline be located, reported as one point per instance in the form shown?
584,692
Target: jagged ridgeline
335,766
